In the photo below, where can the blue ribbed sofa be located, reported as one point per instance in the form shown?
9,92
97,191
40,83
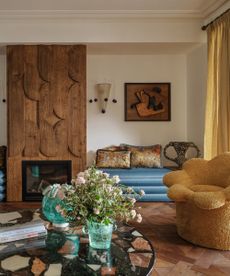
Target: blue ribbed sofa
147,179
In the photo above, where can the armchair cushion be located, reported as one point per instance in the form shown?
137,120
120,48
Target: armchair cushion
209,200
205,188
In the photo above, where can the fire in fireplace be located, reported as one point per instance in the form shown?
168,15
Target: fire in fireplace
39,174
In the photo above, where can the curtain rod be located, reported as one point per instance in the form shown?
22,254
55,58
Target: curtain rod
203,28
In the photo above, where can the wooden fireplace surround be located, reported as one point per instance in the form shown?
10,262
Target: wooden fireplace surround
46,87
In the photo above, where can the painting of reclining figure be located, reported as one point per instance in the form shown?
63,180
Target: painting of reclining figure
147,102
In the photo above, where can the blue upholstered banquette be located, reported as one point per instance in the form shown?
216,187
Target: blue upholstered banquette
148,179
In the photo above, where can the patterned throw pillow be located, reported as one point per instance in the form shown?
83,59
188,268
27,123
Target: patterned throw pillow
145,156
113,159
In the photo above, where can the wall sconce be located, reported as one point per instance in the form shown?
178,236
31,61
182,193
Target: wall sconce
103,90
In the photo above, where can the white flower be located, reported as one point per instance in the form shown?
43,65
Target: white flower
117,191
116,178
80,180
81,174
96,211
139,218
133,200
109,188
142,193
106,175
86,174
98,172
129,190
133,213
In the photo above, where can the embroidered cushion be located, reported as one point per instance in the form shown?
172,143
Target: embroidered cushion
113,159
145,156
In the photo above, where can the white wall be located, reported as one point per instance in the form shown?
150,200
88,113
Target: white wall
187,75
196,91
3,132
110,128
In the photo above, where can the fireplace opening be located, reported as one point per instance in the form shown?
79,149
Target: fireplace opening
37,174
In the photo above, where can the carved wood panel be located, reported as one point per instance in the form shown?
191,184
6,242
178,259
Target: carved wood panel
46,107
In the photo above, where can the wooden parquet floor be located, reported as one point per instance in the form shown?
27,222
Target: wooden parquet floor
175,256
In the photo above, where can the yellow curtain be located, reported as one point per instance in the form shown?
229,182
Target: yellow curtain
217,116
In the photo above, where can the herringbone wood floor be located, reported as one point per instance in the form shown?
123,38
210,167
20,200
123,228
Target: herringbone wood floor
174,255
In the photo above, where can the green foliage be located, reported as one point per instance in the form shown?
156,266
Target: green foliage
97,197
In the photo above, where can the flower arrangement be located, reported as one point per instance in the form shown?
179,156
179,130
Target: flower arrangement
95,196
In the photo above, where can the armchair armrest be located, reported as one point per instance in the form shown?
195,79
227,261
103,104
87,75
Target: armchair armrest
177,177
179,192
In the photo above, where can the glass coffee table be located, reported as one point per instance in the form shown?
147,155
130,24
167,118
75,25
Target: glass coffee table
61,254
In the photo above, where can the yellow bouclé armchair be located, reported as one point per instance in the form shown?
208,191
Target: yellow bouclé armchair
201,191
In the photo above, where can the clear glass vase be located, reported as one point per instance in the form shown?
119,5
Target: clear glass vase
49,205
100,234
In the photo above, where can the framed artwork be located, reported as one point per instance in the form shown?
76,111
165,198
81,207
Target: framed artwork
147,101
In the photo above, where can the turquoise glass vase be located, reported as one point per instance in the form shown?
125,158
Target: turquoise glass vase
100,234
49,205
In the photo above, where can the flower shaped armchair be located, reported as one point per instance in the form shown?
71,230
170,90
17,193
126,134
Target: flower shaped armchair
201,191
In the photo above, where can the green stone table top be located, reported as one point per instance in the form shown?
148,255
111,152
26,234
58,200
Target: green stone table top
130,253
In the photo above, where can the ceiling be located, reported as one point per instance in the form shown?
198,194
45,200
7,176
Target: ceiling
198,7
65,9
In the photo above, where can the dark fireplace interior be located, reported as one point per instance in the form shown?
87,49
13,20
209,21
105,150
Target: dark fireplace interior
39,174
